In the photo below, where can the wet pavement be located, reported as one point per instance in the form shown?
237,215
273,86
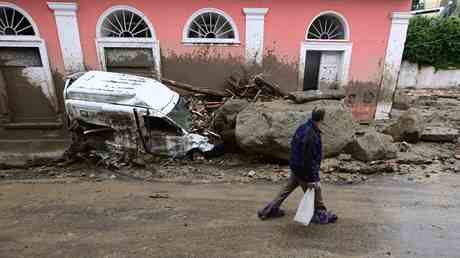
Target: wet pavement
385,217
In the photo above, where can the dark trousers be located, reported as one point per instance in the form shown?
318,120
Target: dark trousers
291,185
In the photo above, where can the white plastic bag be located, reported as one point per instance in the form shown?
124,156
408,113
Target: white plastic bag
306,208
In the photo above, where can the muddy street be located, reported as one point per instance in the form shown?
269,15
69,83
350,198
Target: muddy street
388,216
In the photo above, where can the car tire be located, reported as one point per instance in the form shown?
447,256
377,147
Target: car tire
196,155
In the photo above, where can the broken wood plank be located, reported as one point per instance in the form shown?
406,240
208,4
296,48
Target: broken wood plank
188,87
257,96
214,103
258,79
198,114
231,92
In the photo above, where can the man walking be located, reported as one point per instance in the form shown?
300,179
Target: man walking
305,163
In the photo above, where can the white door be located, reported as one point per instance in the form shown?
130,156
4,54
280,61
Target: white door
329,69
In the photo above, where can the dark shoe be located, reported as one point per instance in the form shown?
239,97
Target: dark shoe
261,215
278,213
332,217
323,217
275,213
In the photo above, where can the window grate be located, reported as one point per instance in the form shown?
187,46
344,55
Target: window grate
125,24
14,23
211,26
327,27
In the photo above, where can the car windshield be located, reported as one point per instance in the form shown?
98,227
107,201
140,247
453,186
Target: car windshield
181,115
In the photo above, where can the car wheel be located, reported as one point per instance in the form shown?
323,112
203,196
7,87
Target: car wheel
196,155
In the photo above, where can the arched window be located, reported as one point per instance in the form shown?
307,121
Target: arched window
125,24
14,23
127,43
210,26
328,26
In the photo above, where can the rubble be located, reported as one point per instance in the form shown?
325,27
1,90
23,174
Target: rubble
301,97
440,134
253,87
267,128
201,113
409,127
457,149
372,146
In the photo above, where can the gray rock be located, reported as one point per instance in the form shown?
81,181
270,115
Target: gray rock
300,97
440,134
409,127
344,157
267,127
224,120
402,101
372,146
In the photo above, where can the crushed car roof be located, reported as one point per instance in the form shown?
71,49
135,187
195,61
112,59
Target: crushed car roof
123,89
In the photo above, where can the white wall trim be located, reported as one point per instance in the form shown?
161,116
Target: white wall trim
102,43
255,26
392,66
341,18
49,91
127,8
23,12
186,40
62,8
69,35
344,47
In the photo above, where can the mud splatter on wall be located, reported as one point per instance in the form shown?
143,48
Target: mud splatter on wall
361,97
206,67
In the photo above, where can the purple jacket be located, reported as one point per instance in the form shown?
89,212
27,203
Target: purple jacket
306,152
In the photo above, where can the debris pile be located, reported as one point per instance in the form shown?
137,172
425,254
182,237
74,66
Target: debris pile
203,102
253,88
201,110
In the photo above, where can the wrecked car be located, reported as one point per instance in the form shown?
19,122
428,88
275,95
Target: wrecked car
137,110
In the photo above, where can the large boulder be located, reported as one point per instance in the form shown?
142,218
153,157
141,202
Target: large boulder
224,121
372,146
409,127
267,127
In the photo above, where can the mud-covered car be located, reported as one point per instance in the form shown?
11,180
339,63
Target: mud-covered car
104,101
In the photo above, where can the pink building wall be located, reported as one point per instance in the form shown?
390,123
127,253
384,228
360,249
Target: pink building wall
285,28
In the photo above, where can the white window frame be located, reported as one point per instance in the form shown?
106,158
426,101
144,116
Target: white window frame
113,42
27,42
342,19
191,41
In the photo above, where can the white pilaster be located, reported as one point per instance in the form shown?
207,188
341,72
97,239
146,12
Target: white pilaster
393,59
69,36
255,34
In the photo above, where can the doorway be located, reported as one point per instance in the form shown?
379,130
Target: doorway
21,77
322,70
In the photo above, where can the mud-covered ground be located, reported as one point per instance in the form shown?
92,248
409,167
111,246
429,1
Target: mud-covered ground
388,216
